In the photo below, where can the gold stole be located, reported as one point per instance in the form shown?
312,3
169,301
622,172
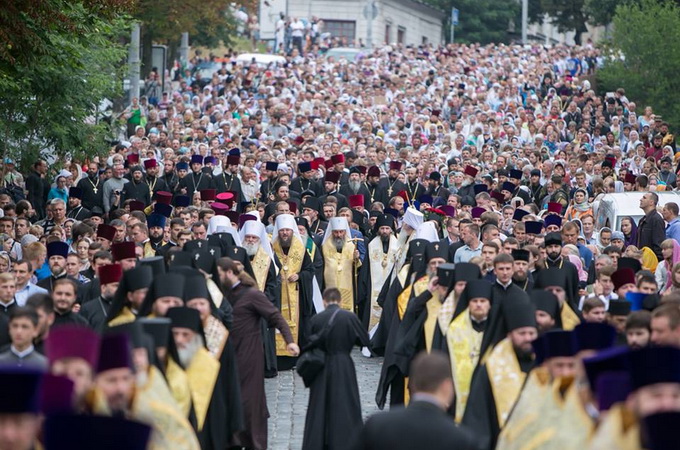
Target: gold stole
179,386
617,430
202,375
381,266
215,292
260,264
338,271
433,306
154,405
506,378
125,316
576,426
216,335
464,346
569,318
290,295
520,431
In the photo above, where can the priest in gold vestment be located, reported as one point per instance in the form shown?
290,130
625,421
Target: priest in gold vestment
341,262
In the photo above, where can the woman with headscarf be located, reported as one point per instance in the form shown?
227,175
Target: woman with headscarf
60,189
629,229
576,261
580,206
670,249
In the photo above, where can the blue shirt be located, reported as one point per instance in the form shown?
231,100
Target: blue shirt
586,255
360,244
466,253
673,229
22,294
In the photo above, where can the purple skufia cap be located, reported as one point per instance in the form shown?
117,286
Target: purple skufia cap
243,218
20,390
79,432
594,336
479,188
115,353
163,209
449,210
610,360
56,396
612,387
196,159
553,219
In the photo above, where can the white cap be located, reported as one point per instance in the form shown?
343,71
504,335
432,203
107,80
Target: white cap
413,218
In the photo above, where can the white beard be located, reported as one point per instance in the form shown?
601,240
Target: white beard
251,249
187,353
355,185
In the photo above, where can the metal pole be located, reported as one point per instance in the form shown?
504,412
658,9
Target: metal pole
525,20
369,23
453,27
184,48
134,63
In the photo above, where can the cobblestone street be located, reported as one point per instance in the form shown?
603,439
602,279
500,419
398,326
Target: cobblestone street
287,401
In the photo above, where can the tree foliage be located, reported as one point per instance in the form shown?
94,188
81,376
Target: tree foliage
648,75
61,59
482,21
567,15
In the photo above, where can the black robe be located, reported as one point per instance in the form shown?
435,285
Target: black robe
171,180
342,200
302,184
346,190
267,189
414,190
157,184
376,193
193,182
96,313
334,409
392,187
70,318
272,291
227,182
249,306
79,213
480,412
136,191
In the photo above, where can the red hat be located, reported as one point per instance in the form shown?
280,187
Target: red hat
328,163
110,273
317,162
299,140
477,212
395,165
136,205
471,171
72,341
333,177
293,207
123,250
361,169
356,200
219,208
225,197
630,178
149,163
232,216
373,171
133,158
208,195
403,195
233,160
554,208
622,277
338,159
106,231
163,197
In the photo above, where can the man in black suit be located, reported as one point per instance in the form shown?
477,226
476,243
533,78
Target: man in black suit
424,423
651,229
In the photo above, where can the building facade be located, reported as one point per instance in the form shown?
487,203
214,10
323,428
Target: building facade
409,22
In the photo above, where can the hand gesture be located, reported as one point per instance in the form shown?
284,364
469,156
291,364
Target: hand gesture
293,278
432,285
293,349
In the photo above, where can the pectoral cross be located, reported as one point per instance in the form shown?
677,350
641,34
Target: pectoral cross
94,190
212,251
197,256
200,244
389,192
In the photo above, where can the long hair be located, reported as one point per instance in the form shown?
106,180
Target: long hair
237,268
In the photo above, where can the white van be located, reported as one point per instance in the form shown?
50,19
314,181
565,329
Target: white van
613,207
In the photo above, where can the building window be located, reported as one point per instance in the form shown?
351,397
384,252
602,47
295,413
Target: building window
401,35
340,28
388,32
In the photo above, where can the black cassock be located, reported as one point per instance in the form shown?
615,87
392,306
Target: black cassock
136,191
377,193
70,318
249,305
95,312
301,184
227,182
391,187
79,213
90,197
157,184
193,182
334,411
271,290
346,190
480,413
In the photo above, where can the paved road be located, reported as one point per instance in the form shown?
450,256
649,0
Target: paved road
287,400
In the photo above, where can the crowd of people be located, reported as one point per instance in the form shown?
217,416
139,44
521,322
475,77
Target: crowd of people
437,207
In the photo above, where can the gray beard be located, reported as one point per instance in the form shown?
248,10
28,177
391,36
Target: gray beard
354,186
251,249
339,243
466,183
187,353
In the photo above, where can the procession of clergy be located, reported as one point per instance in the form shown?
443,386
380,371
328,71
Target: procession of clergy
181,339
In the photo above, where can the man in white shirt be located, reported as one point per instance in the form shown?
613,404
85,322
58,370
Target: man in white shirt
297,31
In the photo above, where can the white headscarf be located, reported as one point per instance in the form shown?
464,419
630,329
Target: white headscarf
337,224
413,218
284,221
256,228
428,231
222,224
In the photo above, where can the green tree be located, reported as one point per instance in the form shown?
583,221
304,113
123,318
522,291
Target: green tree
61,61
481,21
649,74
567,15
